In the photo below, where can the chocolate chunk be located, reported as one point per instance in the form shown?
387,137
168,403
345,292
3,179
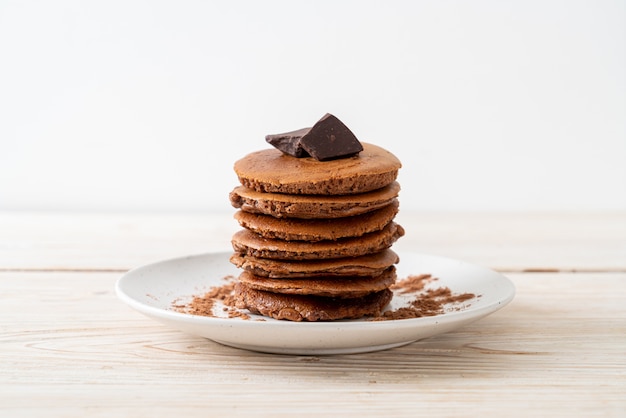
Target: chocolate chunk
329,139
289,142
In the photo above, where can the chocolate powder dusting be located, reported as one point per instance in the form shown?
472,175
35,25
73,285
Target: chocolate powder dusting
203,305
427,302
413,283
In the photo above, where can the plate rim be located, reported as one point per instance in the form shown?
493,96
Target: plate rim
447,317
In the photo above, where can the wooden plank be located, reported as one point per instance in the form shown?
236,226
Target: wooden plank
507,242
90,241
522,241
70,348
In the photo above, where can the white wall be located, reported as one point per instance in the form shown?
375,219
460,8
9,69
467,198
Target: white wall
145,105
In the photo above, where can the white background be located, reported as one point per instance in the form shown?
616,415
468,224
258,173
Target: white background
145,105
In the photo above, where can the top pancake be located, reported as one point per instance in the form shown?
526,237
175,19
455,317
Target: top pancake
272,171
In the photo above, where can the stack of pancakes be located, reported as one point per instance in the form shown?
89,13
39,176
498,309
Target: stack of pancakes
316,237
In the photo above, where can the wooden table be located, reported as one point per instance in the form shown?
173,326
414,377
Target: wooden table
69,347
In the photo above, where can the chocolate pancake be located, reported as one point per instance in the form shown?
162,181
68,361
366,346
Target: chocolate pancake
248,243
308,307
294,229
339,287
307,207
365,265
272,171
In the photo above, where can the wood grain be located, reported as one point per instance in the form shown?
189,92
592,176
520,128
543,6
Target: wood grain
505,242
70,348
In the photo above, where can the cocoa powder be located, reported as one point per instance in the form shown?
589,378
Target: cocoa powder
203,305
413,283
427,302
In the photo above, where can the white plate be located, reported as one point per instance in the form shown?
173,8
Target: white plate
152,290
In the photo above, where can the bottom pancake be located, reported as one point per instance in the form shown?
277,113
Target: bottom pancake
338,287
309,308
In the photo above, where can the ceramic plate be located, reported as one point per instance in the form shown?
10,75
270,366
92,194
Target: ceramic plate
154,289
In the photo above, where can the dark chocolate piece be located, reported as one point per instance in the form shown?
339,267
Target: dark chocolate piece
289,142
330,139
